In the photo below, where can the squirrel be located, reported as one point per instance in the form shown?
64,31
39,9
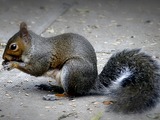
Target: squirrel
130,78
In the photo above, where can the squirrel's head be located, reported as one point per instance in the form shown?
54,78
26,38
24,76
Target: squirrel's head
17,44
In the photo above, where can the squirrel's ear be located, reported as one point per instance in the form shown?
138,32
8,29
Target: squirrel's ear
24,32
23,29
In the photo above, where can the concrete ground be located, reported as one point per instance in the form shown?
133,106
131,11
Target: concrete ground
110,25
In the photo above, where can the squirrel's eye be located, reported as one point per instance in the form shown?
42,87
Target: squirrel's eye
13,46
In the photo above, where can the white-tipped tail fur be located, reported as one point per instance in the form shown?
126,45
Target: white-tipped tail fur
124,74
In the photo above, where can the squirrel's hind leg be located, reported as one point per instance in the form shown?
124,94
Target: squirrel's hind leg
77,77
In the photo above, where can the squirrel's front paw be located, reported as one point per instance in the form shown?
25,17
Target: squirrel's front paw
9,65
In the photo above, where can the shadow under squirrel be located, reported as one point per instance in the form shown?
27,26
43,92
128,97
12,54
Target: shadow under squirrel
130,77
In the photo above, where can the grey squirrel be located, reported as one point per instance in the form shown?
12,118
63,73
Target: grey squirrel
130,78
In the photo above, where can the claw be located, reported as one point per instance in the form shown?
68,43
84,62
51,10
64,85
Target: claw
7,65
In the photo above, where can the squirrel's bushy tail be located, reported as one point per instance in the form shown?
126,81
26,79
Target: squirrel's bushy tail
132,80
